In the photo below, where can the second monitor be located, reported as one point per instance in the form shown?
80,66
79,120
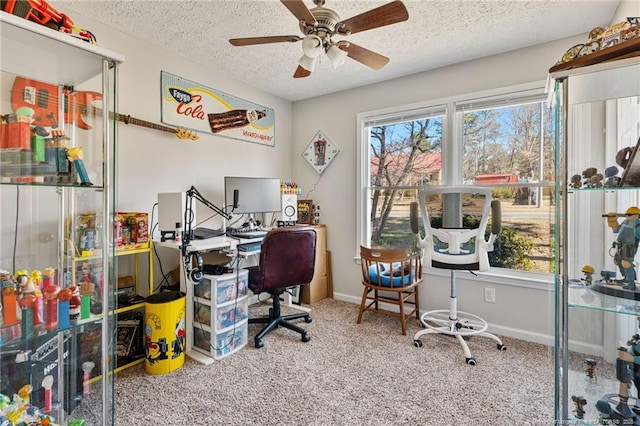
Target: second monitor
248,195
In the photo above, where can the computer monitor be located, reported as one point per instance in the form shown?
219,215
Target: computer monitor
248,195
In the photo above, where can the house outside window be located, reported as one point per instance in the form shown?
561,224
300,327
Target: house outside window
503,141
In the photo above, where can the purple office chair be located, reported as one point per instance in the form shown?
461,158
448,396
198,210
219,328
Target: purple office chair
287,259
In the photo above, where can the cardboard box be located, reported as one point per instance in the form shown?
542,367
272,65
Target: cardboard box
317,289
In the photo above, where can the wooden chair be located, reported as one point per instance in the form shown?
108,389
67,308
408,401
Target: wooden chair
393,277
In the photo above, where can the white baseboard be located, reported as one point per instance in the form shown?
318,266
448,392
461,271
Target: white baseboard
501,330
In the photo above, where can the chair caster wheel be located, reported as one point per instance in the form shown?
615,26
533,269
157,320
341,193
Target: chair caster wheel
259,343
307,319
417,343
471,361
306,337
501,347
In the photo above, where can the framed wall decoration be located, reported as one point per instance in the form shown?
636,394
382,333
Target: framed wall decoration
320,152
190,105
305,211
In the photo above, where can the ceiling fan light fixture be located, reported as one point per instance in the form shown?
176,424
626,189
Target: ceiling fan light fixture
337,56
312,46
308,62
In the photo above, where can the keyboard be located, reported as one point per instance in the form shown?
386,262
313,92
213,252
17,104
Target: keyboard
249,247
248,234
205,233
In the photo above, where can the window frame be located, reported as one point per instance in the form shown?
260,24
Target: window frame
452,156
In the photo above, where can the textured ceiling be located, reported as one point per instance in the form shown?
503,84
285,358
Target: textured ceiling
438,33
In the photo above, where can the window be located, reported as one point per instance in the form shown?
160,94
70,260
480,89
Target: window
503,141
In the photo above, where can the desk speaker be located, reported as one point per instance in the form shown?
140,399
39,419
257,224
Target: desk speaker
289,207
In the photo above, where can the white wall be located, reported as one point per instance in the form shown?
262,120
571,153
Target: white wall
150,161
518,311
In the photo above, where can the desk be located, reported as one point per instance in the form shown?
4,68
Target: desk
224,243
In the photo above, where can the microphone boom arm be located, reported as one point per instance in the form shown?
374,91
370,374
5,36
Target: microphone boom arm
194,193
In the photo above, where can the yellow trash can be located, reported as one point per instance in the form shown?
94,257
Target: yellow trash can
164,332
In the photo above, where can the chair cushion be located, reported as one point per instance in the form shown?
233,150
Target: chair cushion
389,277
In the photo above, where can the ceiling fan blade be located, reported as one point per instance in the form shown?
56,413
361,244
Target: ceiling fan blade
299,10
365,56
248,41
387,14
301,72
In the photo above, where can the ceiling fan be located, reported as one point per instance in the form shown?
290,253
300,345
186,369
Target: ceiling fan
320,25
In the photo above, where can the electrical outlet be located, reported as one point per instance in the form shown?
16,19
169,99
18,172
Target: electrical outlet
490,295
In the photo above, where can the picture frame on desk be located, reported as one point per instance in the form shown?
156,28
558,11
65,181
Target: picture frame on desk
305,212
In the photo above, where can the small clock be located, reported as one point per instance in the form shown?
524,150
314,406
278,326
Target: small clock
320,152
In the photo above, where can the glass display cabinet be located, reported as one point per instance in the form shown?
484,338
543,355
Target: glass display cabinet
57,197
597,235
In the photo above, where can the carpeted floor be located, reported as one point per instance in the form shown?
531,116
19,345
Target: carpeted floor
348,374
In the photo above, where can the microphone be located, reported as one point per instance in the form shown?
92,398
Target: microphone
413,217
236,194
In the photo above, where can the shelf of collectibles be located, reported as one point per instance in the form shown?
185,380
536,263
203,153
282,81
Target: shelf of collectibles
131,238
597,98
56,161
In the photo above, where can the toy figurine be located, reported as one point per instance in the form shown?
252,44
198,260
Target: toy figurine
47,384
590,368
587,175
30,288
611,180
588,271
51,307
624,374
608,276
74,303
47,277
9,299
626,244
27,305
75,155
579,402
576,181
86,289
87,367
64,317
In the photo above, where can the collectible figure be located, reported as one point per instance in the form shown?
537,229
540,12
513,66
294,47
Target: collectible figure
51,307
588,271
590,368
611,180
579,402
64,317
576,181
626,244
608,276
76,155
74,303
9,299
